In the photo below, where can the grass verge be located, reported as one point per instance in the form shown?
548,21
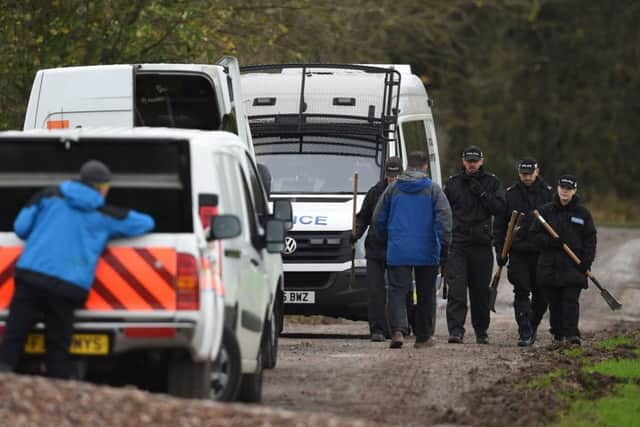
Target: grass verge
602,388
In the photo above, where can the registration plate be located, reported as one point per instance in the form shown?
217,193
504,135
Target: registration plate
299,297
82,344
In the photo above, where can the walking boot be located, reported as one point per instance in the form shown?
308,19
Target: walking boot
424,343
396,339
455,339
526,341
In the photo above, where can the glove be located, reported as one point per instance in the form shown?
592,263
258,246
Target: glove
444,254
476,188
583,267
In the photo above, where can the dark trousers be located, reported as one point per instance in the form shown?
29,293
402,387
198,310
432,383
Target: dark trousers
377,297
400,283
32,303
529,303
468,268
564,310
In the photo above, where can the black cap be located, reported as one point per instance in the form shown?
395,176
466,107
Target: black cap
393,167
568,181
527,165
95,172
472,153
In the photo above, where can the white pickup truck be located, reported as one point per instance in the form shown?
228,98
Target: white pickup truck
156,311
193,96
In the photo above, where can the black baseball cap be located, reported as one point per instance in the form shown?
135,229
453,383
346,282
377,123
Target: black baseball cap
472,153
95,172
527,165
568,181
393,167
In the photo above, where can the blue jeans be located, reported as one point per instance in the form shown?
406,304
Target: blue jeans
400,283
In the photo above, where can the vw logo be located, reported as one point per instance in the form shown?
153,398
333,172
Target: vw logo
290,245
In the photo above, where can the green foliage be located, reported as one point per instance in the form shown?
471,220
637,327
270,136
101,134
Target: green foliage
554,79
544,381
619,368
612,343
620,409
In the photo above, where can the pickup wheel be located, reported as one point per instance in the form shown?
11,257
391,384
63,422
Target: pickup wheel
187,378
251,384
226,372
271,334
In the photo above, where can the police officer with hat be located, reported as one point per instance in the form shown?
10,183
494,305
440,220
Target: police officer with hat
561,279
528,193
475,196
376,252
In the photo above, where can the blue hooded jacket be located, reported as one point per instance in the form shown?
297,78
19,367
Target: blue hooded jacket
415,216
67,228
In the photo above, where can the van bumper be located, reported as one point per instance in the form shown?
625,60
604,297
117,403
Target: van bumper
333,293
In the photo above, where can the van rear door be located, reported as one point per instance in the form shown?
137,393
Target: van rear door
94,96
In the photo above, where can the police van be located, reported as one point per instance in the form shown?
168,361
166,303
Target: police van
314,126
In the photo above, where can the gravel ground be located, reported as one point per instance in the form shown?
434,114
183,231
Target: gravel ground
327,369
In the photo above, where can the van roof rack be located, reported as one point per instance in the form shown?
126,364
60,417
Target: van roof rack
380,130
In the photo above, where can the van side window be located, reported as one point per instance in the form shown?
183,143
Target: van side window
176,101
415,139
258,191
251,212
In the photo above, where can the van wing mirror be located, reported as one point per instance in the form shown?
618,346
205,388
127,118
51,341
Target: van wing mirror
265,176
224,227
282,210
275,236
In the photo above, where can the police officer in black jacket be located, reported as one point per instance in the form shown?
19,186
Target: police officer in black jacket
529,193
475,196
376,252
560,278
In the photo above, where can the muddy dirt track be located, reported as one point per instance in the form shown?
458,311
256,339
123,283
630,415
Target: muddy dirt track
331,366
330,374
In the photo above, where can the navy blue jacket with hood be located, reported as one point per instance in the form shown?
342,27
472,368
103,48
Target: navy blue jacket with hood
415,216
66,230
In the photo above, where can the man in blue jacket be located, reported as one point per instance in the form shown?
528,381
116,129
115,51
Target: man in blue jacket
415,216
65,229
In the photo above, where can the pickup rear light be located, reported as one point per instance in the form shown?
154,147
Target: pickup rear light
142,332
187,285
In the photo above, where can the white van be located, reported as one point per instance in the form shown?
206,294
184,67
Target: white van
187,96
314,126
158,299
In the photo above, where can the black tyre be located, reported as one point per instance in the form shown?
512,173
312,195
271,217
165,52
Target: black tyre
251,384
225,375
271,334
187,378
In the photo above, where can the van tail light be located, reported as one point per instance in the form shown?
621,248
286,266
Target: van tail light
187,284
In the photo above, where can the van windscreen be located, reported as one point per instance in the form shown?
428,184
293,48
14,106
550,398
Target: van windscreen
319,164
177,101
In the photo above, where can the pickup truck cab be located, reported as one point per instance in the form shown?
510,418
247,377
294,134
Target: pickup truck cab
192,302
314,126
